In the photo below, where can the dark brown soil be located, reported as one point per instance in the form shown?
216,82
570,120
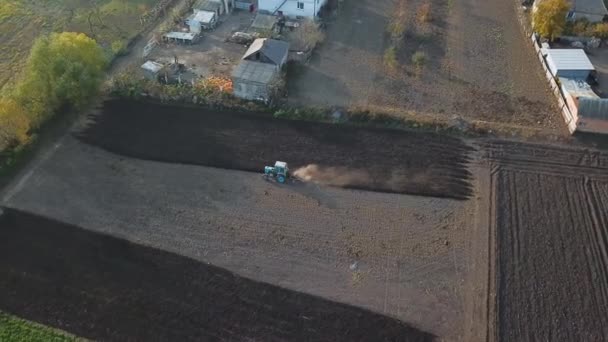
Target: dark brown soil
396,161
104,288
551,208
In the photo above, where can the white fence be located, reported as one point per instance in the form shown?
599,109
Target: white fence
569,117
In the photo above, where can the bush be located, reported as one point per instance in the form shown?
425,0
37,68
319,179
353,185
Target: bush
398,21
306,114
119,47
600,30
580,27
390,58
423,15
419,59
308,35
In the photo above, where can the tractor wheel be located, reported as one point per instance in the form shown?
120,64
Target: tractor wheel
281,179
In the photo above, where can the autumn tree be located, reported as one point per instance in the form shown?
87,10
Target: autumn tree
62,69
550,17
14,124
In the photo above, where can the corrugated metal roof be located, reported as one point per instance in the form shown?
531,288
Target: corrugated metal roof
275,50
255,72
593,108
569,59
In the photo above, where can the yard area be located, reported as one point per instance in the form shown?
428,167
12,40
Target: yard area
475,64
211,54
22,21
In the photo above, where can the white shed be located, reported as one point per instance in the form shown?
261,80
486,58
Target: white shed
571,63
151,69
201,20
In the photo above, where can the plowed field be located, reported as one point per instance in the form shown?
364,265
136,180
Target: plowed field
551,215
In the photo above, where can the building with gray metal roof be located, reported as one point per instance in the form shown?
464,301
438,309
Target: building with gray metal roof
571,63
254,80
269,51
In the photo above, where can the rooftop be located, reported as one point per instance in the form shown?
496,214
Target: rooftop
577,87
590,7
203,16
207,5
569,59
275,50
263,22
152,66
255,72
593,108
181,35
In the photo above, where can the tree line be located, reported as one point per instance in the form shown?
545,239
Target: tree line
63,72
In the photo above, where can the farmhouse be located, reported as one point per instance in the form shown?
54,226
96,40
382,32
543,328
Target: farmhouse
292,8
592,10
268,51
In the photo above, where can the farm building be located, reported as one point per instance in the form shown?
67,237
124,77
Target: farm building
201,20
592,10
589,111
181,37
218,6
254,80
268,51
152,70
570,63
292,8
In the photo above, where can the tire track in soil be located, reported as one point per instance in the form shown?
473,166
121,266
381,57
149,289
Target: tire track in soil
396,161
551,256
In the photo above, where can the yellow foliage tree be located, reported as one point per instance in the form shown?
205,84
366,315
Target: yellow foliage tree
14,124
62,69
550,17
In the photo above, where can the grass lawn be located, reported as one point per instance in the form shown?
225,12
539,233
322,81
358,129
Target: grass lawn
16,329
22,21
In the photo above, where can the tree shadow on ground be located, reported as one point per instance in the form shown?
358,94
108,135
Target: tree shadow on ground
104,288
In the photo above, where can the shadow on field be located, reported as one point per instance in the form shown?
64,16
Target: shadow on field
104,288
398,161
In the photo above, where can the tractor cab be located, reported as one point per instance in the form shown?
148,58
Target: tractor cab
280,171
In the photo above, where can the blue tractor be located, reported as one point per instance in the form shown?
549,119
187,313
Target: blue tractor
280,172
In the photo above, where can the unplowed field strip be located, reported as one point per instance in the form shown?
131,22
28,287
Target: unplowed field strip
396,161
